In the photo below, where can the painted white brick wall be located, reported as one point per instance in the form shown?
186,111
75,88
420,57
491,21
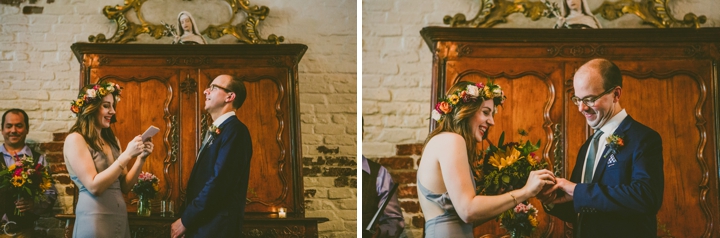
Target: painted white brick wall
397,63
39,73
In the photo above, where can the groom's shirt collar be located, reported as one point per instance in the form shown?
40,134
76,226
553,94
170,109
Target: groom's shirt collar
613,123
222,118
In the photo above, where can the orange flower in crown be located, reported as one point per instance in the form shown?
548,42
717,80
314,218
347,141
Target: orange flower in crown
468,95
92,94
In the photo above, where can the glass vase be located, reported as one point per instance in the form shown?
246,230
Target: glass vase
143,209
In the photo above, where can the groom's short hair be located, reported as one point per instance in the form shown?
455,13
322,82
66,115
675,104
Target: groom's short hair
237,86
610,73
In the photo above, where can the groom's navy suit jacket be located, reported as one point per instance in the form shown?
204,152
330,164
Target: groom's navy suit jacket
625,193
217,188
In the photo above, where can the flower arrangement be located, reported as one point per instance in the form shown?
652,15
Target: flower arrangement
504,168
26,179
147,185
468,95
94,93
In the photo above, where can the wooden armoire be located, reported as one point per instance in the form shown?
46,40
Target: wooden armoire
163,86
670,83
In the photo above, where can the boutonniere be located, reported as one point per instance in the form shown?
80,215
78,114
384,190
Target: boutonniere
614,142
215,130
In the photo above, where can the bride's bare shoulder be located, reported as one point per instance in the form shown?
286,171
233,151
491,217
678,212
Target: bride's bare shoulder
446,138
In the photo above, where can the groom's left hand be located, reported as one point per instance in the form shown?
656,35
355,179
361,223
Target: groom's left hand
177,229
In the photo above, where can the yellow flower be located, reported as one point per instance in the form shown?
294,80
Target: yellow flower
488,94
532,160
504,159
533,220
79,102
11,168
45,185
102,91
17,181
454,99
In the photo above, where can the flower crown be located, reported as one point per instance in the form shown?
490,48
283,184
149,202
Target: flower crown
468,95
91,94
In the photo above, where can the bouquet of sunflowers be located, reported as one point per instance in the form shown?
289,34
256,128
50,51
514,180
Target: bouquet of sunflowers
25,179
506,167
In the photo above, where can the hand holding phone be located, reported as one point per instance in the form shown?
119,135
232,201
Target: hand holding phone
150,132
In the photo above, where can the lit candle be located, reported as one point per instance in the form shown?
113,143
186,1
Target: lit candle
281,212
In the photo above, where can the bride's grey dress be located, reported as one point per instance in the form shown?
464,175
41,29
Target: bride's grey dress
104,215
449,223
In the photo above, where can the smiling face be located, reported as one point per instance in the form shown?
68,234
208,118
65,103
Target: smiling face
14,130
482,120
589,83
216,96
105,112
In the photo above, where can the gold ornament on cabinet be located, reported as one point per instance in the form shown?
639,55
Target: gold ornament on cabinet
245,31
652,12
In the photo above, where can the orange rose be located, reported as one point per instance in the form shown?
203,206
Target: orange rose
445,107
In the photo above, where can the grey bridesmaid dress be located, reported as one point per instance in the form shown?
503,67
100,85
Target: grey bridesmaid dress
104,215
449,223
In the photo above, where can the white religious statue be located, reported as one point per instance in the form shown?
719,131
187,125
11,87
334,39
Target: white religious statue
188,33
576,14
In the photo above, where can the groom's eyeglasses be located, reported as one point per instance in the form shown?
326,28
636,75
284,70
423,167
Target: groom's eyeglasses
212,87
590,100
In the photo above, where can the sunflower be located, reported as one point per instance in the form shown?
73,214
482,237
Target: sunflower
504,159
17,181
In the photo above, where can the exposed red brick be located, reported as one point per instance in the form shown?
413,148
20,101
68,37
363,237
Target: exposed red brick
405,191
396,162
54,157
418,221
404,177
58,168
63,179
51,147
409,149
410,207
59,136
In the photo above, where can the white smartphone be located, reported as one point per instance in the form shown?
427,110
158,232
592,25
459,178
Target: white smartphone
150,132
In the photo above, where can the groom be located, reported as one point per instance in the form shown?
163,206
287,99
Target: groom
616,188
217,188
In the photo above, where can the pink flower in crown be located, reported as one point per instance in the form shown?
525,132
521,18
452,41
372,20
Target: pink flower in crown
480,85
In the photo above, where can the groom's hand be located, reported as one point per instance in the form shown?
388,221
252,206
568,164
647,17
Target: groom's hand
566,189
177,229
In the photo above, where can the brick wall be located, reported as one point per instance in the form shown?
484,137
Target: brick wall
39,74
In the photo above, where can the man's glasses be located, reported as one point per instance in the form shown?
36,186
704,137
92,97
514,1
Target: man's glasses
590,101
212,87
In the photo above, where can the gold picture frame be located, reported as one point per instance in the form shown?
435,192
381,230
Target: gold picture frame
244,32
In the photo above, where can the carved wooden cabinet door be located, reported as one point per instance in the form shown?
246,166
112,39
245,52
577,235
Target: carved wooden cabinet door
670,83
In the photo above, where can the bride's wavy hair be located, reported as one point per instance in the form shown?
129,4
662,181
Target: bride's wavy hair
86,124
456,121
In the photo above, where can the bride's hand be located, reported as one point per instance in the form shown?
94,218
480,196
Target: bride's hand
537,180
148,148
134,147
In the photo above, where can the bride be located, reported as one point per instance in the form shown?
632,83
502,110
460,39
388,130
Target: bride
445,183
